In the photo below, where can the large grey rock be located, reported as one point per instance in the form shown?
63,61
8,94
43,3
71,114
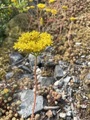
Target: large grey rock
31,59
46,81
17,25
27,98
15,57
58,72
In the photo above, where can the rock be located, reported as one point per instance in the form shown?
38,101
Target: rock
70,91
15,57
50,63
27,97
69,113
78,44
63,65
38,71
27,76
49,113
75,80
83,106
58,72
25,68
17,25
31,59
78,62
67,79
62,115
49,60
9,75
46,81
75,118
37,117
88,76
59,83
68,118
87,80
88,64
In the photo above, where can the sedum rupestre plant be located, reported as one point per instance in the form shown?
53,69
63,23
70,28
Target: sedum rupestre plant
33,42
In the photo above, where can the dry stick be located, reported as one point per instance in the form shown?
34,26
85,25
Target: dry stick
32,116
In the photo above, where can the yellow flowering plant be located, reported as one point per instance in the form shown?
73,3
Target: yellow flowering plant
33,42
41,6
52,1
73,18
64,7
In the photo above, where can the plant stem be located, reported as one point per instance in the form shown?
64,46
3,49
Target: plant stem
34,104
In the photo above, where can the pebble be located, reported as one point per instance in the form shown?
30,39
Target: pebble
9,75
62,115
89,64
75,118
59,83
38,71
49,113
69,113
37,117
83,106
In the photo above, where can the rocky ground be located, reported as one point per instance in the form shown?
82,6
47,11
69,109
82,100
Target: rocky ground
63,73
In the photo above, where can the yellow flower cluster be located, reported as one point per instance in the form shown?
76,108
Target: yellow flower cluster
41,6
13,0
73,18
64,7
5,90
52,1
33,42
53,11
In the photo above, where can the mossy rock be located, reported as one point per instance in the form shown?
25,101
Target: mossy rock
17,25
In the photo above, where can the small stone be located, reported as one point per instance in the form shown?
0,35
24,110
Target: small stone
78,43
13,118
49,113
75,118
67,79
58,72
88,76
37,117
62,115
83,106
69,113
46,81
89,64
59,83
15,57
68,118
38,71
9,75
